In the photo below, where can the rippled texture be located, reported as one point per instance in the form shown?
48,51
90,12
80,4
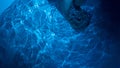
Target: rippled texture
34,34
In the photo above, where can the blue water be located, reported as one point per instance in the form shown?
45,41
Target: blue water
4,4
35,34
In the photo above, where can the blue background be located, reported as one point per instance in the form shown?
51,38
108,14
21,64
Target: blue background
4,4
35,35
